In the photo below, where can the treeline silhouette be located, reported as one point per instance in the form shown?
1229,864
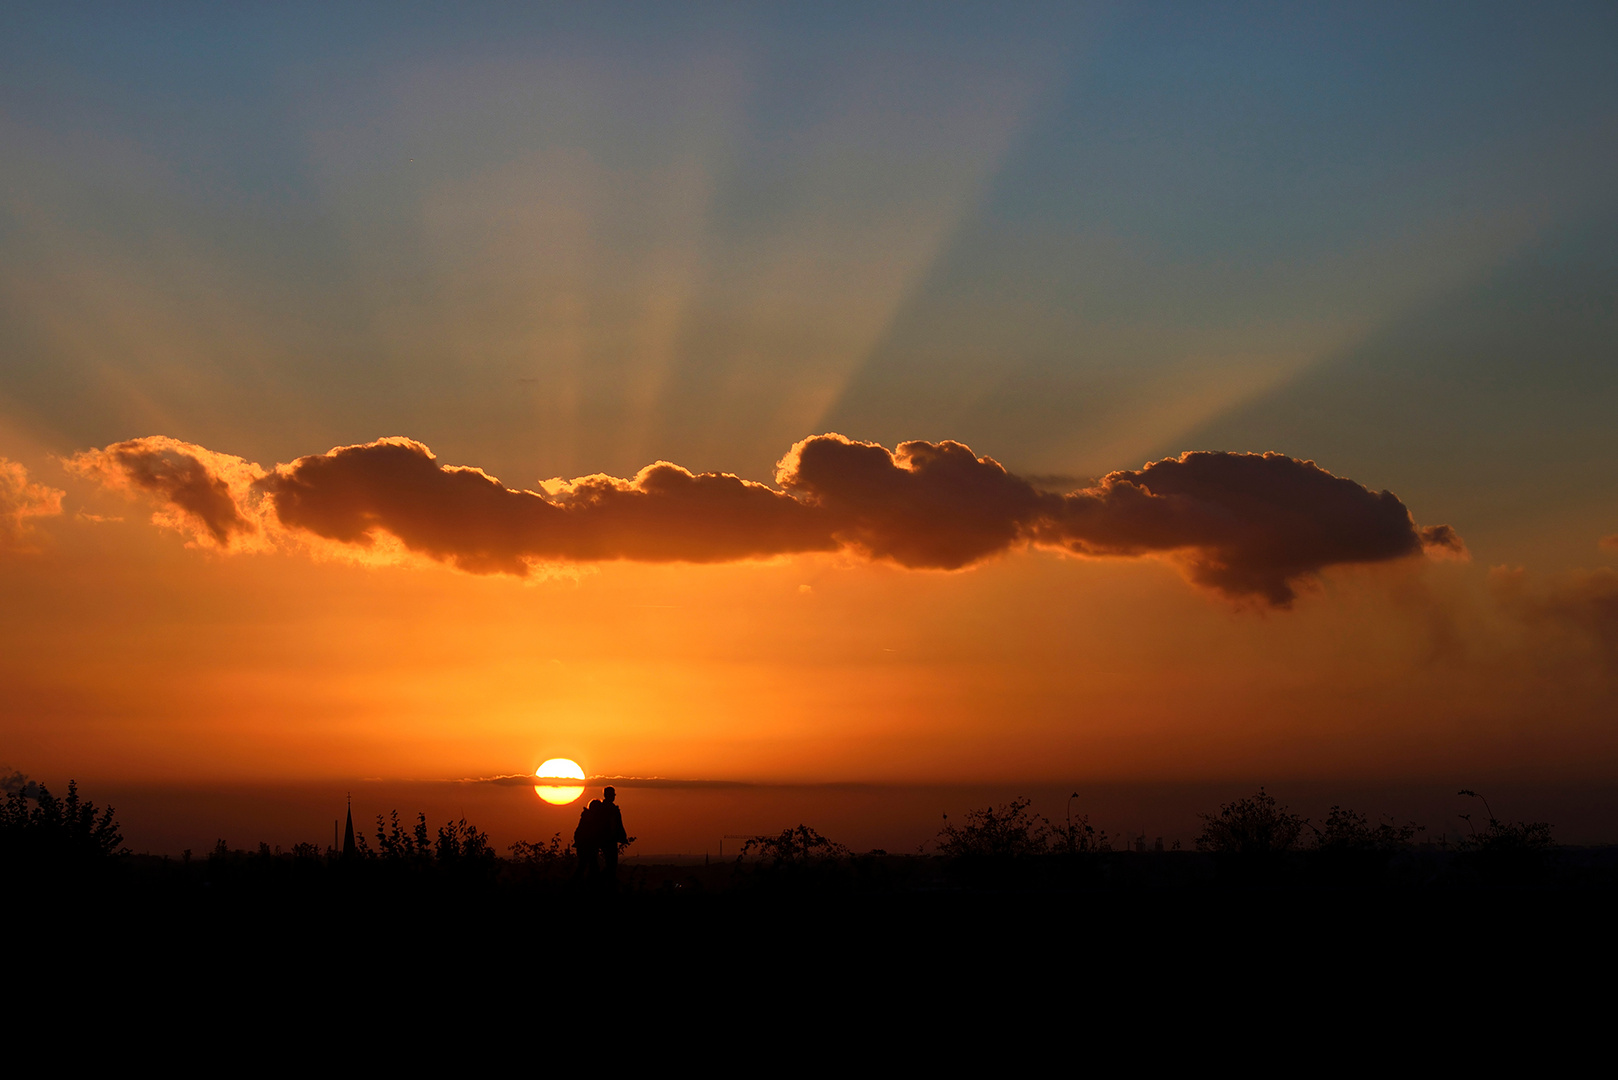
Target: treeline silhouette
67,832
1253,841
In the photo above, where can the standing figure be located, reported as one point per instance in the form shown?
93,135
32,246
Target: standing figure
610,833
587,840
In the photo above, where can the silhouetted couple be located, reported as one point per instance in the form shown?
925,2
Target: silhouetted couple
600,831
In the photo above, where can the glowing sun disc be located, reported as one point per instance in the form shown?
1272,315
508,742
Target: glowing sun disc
559,768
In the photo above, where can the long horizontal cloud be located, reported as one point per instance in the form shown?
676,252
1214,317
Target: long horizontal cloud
1250,526
667,783
467,517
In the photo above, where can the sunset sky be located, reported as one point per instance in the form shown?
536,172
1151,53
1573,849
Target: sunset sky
807,256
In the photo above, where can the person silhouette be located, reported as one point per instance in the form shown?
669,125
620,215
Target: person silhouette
587,840
610,833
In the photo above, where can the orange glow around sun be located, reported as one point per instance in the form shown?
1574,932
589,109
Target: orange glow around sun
559,769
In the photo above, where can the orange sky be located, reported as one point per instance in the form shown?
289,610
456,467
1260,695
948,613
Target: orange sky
555,245
142,658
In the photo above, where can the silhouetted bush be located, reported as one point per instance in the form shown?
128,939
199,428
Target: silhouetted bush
997,832
463,845
1011,847
1254,826
1510,853
1350,851
456,846
1347,831
549,854
394,844
1079,837
1013,831
551,859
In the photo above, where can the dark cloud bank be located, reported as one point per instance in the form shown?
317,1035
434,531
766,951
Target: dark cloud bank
1250,526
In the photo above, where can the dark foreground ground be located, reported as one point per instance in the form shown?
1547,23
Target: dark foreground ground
1126,962
1424,929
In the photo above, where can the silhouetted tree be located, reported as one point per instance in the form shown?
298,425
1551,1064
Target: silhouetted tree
794,847
1256,825
57,829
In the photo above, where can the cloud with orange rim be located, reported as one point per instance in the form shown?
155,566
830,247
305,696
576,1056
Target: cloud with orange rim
1250,527
22,502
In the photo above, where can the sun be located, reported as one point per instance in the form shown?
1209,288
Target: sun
559,768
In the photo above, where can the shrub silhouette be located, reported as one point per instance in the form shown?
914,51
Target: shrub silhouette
395,845
1345,830
1350,851
1503,838
1256,825
1080,837
1505,853
542,854
464,845
548,857
1000,832
456,844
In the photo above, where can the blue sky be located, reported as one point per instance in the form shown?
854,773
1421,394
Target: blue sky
557,241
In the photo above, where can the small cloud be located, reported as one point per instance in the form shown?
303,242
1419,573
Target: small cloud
13,781
20,503
1610,543
1443,543
95,519
198,491
806,589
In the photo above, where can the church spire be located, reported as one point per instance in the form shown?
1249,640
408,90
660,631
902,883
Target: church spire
348,832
